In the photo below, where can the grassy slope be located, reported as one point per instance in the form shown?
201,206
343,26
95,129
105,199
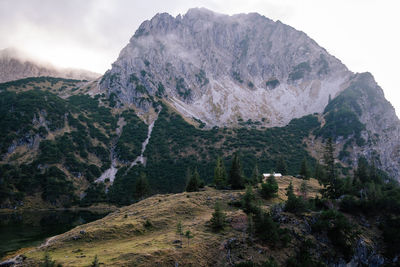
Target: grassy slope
121,239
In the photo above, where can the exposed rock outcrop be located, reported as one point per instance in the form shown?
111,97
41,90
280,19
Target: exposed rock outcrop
221,69
225,70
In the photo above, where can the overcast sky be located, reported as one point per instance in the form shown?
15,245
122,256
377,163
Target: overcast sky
363,34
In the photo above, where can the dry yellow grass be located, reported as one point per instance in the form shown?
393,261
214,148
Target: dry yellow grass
122,239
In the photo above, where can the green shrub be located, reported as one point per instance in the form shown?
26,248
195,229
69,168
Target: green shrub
270,188
340,231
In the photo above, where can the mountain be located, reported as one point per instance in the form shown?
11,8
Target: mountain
227,71
190,93
183,92
15,65
221,68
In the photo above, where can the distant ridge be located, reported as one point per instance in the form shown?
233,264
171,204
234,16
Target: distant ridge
15,65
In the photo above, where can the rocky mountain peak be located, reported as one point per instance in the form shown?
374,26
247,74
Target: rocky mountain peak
221,69
248,70
204,62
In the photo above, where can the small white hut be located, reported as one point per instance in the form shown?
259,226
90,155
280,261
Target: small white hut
266,175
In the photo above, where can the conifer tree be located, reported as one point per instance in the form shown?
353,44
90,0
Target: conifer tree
142,187
255,176
48,262
329,160
304,189
250,226
236,179
179,230
189,236
362,170
249,204
293,203
304,171
269,188
319,173
333,186
281,166
193,182
290,190
95,262
220,174
218,219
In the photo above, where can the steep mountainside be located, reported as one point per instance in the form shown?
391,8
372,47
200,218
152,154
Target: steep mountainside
228,71
79,142
14,66
364,123
55,140
220,68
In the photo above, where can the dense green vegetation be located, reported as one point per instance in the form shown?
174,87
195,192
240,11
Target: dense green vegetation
27,118
129,144
34,80
343,113
176,145
20,114
265,228
340,231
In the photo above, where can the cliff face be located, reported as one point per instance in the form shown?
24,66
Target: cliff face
247,69
365,124
221,69
15,66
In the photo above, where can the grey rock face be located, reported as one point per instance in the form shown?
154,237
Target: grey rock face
225,69
365,256
382,127
220,68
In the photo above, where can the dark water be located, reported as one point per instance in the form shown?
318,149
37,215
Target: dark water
18,230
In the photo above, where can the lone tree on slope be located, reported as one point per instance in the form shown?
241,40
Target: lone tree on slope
236,179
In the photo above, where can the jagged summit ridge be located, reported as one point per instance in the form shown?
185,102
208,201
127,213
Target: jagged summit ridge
221,69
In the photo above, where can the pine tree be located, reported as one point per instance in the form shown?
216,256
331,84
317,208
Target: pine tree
236,179
250,226
189,236
255,176
304,189
142,187
281,166
95,262
220,174
293,203
248,203
289,190
197,178
329,160
48,262
362,170
193,182
269,188
319,173
179,230
304,171
333,186
218,219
